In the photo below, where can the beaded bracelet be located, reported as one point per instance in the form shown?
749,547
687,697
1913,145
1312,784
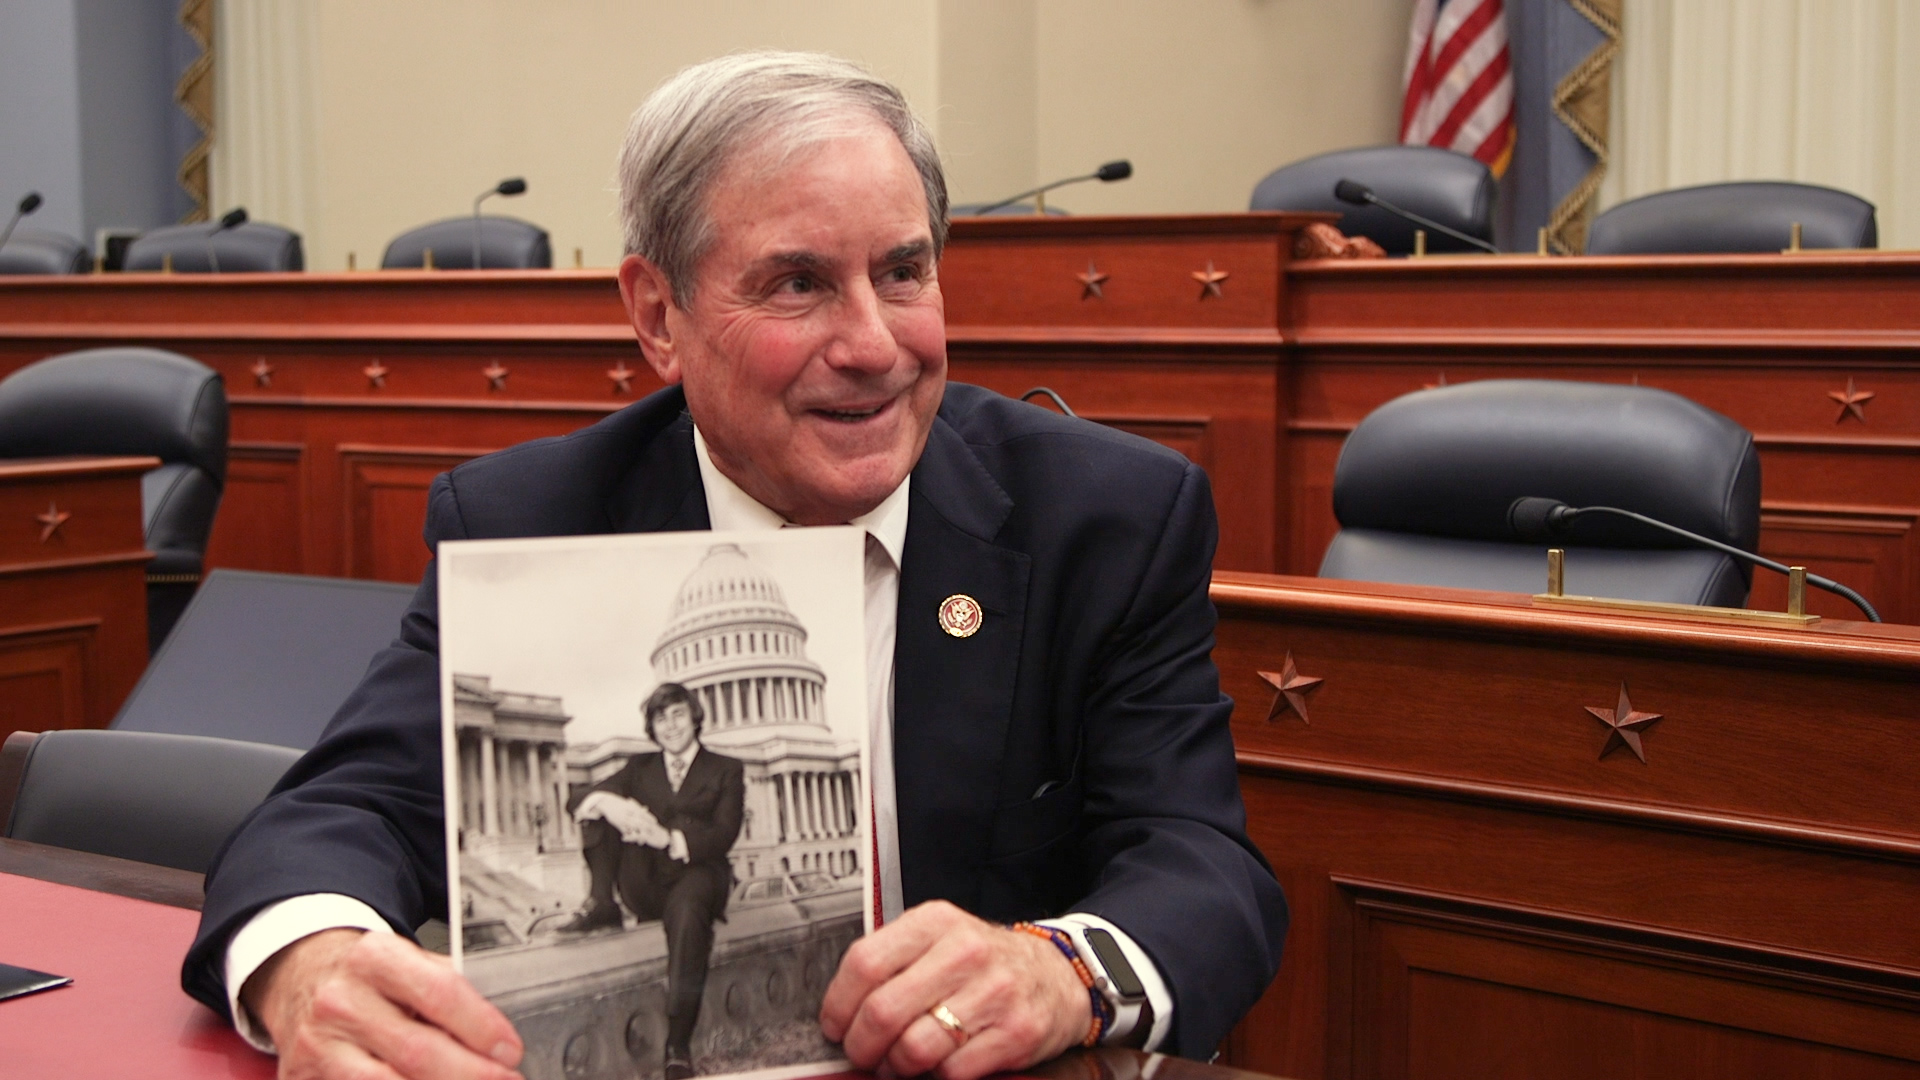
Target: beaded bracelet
1102,1011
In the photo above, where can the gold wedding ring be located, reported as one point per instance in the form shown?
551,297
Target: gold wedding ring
945,1018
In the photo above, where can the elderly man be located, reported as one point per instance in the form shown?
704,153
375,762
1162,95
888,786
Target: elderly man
1050,742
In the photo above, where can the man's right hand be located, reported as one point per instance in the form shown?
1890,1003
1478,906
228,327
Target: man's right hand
346,1003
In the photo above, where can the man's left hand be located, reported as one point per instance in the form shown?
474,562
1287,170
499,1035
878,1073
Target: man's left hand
1016,996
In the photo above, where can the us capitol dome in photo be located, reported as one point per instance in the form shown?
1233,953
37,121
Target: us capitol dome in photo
731,640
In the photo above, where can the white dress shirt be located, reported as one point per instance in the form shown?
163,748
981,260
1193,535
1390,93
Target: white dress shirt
728,509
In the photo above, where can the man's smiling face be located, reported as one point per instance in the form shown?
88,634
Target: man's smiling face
813,350
673,728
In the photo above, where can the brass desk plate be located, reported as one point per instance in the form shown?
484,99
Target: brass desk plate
1794,616
1694,612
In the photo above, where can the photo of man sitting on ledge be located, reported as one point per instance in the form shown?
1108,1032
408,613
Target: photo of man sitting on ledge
656,835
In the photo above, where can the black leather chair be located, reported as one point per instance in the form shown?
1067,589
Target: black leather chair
505,244
38,251
1450,188
1744,216
265,657
255,247
1424,482
134,401
170,800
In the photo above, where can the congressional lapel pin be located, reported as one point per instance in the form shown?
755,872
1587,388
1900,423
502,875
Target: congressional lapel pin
960,615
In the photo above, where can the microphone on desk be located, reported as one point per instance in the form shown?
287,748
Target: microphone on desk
511,186
231,219
1359,194
1106,174
27,206
1536,520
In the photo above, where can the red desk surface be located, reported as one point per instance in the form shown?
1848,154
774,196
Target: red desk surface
126,1018
125,1015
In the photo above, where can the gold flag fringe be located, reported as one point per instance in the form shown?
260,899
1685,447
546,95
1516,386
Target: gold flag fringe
1582,102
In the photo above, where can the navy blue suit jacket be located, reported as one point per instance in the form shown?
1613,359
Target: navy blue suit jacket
1073,754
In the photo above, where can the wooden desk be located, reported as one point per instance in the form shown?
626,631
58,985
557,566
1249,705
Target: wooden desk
1478,889
351,391
73,593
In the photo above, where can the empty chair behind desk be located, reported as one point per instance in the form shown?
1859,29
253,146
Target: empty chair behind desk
126,400
1747,216
251,248
38,251
504,243
1424,483
170,800
1451,188
265,657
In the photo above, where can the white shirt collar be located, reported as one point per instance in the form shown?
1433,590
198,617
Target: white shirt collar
728,507
685,757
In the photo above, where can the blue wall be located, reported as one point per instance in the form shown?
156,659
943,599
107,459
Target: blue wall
87,116
40,111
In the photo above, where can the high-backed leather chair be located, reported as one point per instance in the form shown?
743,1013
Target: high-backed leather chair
1450,188
265,657
1743,216
1424,483
134,401
170,800
38,251
505,244
251,248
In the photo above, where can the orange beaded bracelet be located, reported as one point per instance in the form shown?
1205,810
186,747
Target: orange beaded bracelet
1102,1011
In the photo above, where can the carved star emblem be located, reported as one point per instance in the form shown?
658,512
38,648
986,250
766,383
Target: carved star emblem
1210,280
1850,401
262,372
1624,725
376,374
1091,282
1290,690
622,377
51,521
496,376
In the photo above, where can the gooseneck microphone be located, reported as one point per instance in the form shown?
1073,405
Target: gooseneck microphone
1106,174
511,186
1359,194
1537,520
27,206
233,218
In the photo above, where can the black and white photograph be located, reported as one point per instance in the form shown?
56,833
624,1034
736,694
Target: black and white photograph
656,813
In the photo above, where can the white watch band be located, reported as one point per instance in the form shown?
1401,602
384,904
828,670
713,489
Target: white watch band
1126,1014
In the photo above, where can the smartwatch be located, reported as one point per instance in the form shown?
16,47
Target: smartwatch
1116,981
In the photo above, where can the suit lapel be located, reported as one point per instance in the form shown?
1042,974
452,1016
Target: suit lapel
953,697
662,491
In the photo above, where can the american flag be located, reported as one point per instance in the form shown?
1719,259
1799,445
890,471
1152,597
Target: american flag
1459,83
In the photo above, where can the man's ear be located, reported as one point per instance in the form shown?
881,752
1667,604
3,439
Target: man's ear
648,298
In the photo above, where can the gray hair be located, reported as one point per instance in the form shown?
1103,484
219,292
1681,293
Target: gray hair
697,122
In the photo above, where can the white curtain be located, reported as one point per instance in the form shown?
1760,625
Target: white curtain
263,148
1818,91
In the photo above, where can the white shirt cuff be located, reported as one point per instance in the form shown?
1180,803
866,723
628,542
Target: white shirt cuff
277,926
1157,993
677,846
